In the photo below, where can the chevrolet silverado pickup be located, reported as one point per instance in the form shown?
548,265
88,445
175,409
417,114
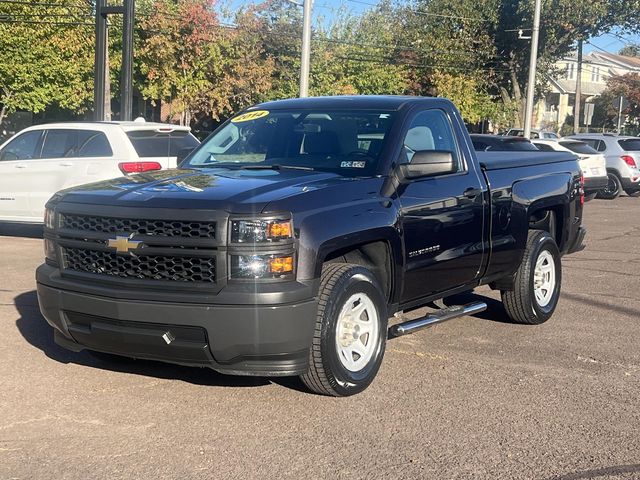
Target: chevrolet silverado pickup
283,244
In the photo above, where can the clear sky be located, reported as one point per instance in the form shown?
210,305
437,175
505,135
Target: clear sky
325,9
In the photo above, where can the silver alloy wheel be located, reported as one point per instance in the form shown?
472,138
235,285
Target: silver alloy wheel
357,332
544,278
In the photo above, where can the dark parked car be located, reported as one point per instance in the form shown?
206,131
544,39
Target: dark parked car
501,143
285,241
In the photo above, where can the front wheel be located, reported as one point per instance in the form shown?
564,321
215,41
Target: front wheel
613,188
537,282
350,333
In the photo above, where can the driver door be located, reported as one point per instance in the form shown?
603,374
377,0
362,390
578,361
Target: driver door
16,158
442,215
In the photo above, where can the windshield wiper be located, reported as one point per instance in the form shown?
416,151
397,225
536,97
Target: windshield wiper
276,166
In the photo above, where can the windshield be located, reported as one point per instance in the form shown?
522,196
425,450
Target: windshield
579,147
150,143
344,142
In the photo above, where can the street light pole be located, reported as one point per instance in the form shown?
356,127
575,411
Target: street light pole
533,61
306,48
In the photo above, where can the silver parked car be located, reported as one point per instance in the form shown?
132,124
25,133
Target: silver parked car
623,159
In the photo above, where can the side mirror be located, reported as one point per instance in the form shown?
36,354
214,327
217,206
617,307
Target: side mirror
184,153
425,163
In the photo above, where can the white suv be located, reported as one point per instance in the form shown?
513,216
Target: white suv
40,160
623,159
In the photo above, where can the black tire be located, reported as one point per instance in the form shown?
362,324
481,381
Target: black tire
327,375
635,193
521,303
613,188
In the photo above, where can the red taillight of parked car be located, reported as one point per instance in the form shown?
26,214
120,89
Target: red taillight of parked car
138,167
581,189
628,159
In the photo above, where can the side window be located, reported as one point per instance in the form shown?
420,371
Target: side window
431,130
23,147
602,146
59,144
91,143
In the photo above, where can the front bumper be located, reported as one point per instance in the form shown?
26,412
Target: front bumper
244,339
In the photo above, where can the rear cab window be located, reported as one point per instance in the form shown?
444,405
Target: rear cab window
152,143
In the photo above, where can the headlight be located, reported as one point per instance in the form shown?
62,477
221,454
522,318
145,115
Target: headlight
49,218
261,266
261,231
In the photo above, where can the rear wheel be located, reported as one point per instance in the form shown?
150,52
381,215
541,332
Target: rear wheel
613,188
537,282
350,334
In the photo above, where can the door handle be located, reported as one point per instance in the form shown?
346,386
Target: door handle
66,164
472,192
21,165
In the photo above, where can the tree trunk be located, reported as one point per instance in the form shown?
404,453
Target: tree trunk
517,93
3,114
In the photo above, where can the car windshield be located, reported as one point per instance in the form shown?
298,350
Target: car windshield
579,147
630,144
344,142
151,143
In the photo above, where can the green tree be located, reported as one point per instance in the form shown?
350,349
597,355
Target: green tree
46,57
630,50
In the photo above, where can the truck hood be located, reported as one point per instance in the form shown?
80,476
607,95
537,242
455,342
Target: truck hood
235,191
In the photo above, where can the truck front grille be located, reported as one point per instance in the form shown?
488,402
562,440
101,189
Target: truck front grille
160,228
147,267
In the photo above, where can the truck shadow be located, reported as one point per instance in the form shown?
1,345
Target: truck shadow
35,330
605,472
20,230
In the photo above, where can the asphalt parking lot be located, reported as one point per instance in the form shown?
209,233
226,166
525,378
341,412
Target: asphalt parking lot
473,398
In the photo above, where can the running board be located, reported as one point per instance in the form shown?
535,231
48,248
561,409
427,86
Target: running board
439,316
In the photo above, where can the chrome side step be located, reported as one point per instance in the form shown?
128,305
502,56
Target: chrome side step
439,316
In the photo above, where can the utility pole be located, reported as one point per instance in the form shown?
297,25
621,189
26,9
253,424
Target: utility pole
101,76
576,107
126,80
100,63
533,62
306,47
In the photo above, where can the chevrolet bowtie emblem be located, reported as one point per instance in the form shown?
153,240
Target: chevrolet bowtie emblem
123,244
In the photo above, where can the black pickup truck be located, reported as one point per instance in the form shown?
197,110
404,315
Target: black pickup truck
282,244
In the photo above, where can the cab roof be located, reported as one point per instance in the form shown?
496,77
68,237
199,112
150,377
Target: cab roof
364,102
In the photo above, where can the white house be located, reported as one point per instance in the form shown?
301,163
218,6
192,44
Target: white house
597,67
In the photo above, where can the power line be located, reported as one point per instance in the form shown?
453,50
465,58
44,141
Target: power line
423,13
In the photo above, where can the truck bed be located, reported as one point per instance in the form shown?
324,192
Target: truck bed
501,160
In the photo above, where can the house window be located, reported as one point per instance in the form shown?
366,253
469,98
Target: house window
570,71
595,74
